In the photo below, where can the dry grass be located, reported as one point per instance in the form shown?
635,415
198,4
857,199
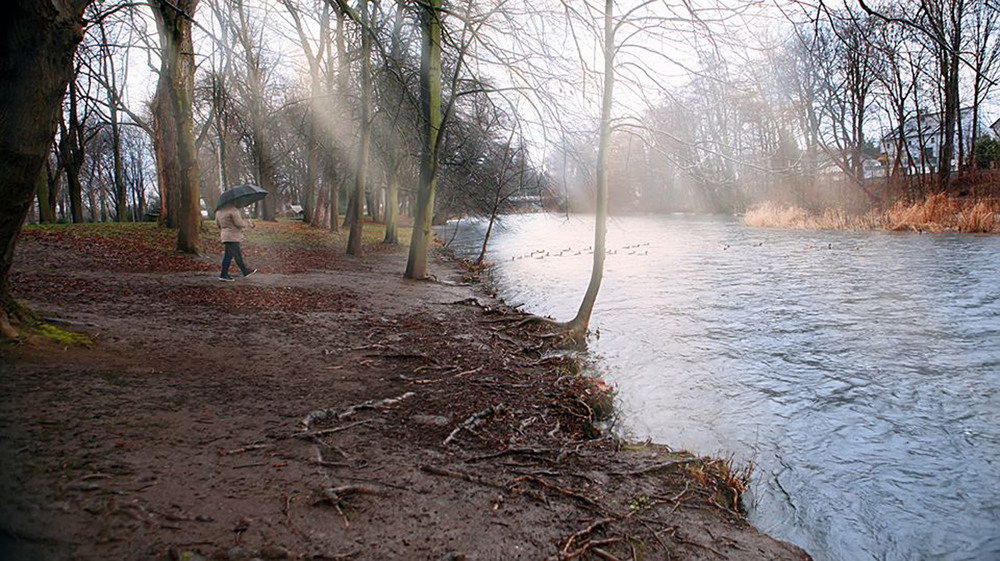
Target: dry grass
935,213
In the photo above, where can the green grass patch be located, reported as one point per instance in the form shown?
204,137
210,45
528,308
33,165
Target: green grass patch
61,336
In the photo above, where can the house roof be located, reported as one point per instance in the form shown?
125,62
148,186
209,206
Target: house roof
930,125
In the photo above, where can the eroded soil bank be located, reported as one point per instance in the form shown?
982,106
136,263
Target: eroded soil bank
324,408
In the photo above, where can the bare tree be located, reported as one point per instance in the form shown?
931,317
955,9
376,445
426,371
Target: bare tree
255,84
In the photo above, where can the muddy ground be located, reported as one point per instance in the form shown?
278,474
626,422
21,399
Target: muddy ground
324,408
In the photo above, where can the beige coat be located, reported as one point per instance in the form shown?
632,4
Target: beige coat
231,224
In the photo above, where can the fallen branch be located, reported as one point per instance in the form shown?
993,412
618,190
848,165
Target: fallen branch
444,367
511,452
338,494
324,432
324,414
470,477
247,448
467,372
255,464
467,302
472,422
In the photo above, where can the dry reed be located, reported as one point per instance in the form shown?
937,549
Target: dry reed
935,213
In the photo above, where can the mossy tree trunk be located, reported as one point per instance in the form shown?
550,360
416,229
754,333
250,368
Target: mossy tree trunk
430,106
36,63
174,20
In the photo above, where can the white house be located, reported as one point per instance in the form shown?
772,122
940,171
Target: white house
923,139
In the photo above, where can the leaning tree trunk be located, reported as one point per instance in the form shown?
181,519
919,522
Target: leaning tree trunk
578,326
430,106
36,62
177,82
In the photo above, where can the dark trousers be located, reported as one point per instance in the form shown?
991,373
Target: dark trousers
233,252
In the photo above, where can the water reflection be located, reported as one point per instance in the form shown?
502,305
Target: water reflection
859,371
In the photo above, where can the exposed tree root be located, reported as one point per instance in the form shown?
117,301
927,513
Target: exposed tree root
14,312
567,492
656,467
464,476
7,331
603,554
589,545
586,531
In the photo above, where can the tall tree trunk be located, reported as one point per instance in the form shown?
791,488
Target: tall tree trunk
334,179
430,107
102,193
71,152
168,168
392,206
361,175
578,326
45,211
121,194
392,188
53,178
337,90
36,63
177,80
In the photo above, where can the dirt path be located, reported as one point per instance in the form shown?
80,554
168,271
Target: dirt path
335,412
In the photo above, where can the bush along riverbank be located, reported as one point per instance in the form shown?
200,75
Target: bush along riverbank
934,213
323,408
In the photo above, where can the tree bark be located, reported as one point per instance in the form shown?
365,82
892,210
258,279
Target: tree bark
578,326
430,107
36,63
361,175
168,168
177,82
392,189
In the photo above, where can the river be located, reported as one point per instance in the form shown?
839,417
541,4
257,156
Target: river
858,371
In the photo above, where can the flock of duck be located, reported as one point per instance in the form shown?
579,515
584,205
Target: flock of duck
589,250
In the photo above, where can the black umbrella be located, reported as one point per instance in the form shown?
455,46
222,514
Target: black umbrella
241,195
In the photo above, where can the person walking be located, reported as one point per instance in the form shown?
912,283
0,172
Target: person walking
231,224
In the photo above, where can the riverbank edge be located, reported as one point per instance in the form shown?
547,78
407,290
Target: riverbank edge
718,476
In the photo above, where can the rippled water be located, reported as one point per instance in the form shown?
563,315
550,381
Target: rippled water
860,372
